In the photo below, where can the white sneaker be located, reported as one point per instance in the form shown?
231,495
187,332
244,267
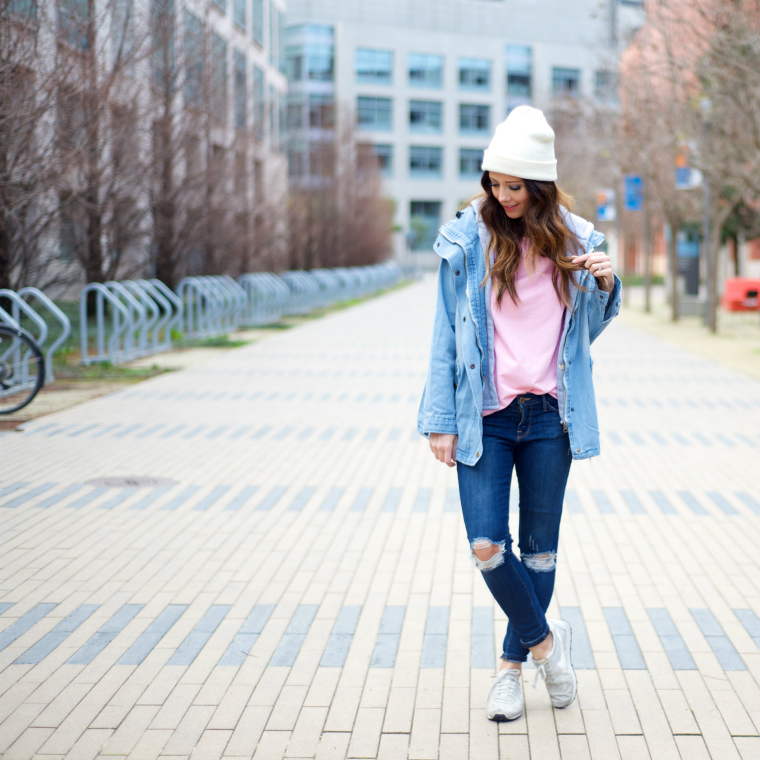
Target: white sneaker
505,700
557,669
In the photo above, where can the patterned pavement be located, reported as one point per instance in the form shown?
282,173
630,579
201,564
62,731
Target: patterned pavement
298,583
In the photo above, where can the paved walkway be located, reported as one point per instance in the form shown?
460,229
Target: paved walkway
301,586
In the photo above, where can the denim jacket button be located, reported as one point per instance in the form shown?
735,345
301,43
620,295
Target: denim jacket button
457,273
472,366
562,366
578,450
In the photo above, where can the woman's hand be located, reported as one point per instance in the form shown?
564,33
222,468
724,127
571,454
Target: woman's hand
600,266
444,446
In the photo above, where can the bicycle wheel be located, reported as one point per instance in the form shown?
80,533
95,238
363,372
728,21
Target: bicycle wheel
22,369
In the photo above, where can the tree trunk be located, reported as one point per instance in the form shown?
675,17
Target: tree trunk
647,259
673,266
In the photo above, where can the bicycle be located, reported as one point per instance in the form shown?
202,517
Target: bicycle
22,368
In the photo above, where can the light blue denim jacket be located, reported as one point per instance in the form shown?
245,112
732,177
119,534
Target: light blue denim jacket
460,382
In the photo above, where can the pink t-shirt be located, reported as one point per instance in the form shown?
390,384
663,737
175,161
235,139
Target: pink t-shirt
526,335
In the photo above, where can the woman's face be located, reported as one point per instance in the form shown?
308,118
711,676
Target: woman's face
511,193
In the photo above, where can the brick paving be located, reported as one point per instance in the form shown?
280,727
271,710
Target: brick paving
301,586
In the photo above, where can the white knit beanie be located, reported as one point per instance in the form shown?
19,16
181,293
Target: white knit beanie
523,146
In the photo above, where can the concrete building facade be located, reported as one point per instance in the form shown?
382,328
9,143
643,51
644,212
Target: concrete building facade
428,81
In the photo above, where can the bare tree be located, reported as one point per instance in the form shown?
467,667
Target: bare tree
693,77
337,215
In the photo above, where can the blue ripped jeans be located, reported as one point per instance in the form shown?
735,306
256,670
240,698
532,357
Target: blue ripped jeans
528,435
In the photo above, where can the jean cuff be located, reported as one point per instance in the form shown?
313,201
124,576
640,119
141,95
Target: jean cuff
529,644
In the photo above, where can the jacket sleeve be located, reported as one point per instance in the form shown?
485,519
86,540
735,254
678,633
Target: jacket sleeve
437,412
603,307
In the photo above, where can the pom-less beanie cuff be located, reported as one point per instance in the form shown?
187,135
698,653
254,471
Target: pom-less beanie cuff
517,167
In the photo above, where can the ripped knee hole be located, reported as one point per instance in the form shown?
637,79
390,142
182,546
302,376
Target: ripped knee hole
485,549
540,563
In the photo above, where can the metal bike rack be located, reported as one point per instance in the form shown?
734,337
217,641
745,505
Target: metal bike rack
175,322
202,308
147,312
152,315
166,311
304,291
331,287
15,347
136,341
19,305
65,328
119,342
266,295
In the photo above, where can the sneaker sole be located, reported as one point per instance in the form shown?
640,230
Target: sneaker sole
570,660
502,718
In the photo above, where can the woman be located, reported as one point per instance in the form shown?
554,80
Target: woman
510,384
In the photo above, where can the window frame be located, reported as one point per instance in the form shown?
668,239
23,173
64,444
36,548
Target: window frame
362,102
425,173
424,107
465,64
372,74
426,82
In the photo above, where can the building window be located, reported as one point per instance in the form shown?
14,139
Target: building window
282,60
272,115
425,116
425,70
296,162
219,77
220,5
519,73
272,34
238,14
193,48
425,161
313,62
295,112
123,30
605,86
474,118
241,96
374,66
162,42
424,221
383,155
259,104
374,113
566,82
257,25
73,20
475,74
321,111
470,160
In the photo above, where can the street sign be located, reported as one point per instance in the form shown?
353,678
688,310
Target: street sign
605,205
634,192
688,178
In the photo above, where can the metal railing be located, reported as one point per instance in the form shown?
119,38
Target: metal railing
145,313
304,291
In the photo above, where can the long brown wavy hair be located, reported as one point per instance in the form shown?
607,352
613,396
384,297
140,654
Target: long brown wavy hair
546,231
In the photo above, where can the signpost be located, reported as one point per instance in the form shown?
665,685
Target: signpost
634,192
605,205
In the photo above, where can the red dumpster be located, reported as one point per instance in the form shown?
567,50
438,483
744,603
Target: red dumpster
740,294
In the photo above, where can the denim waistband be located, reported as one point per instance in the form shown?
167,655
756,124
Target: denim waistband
529,399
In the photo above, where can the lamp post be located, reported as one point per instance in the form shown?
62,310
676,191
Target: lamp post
705,106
